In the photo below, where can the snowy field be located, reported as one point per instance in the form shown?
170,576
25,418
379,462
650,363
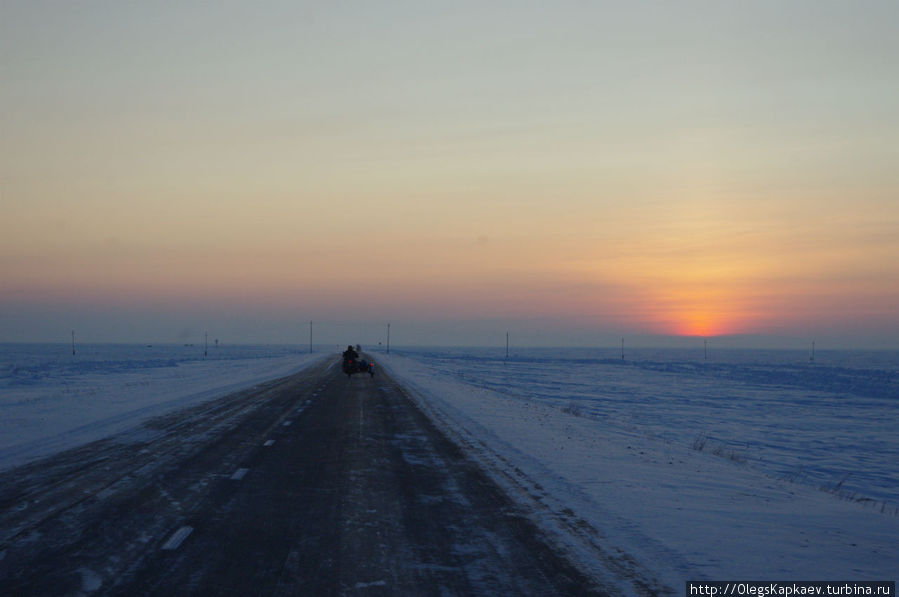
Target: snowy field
676,467
700,469
51,400
828,423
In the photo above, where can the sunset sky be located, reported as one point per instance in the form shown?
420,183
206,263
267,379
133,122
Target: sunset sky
570,172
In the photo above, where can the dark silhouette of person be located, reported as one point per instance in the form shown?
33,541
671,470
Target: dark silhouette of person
350,354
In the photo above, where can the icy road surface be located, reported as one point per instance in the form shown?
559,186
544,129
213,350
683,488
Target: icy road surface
313,484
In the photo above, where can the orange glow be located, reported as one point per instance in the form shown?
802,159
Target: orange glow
699,323
695,292
707,311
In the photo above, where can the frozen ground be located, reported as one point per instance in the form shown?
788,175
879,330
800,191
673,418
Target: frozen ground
671,465
612,448
51,400
828,423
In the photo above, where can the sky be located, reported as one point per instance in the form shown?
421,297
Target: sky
569,172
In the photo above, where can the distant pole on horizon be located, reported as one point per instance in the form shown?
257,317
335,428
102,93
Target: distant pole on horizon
73,342
388,338
622,348
206,345
507,345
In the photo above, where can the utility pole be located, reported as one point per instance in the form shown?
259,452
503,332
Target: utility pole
388,338
622,348
73,342
206,345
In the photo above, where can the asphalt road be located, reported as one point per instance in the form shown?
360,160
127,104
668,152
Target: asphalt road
316,484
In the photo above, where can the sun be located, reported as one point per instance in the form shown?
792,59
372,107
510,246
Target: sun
700,323
713,312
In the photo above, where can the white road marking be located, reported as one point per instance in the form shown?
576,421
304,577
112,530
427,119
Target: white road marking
239,474
177,538
270,442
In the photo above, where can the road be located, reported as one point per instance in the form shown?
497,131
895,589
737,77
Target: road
315,484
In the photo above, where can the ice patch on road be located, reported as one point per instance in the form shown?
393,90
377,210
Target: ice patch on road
367,585
90,580
177,538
